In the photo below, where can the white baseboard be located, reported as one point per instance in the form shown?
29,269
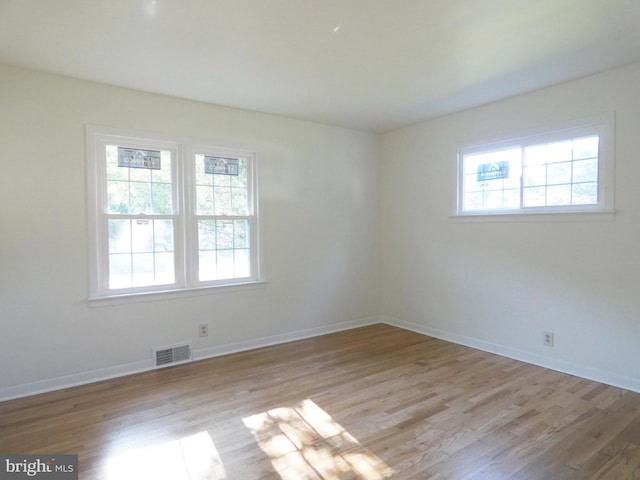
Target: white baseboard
244,346
68,381
74,380
83,378
589,373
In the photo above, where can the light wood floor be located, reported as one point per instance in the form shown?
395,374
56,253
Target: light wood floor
371,403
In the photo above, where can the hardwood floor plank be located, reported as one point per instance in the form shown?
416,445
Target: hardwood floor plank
370,403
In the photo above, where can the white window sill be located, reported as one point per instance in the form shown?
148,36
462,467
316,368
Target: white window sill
140,297
592,216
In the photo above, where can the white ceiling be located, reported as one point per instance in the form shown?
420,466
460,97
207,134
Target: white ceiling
369,64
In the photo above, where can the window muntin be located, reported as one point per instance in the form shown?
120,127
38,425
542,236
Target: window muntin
163,220
558,172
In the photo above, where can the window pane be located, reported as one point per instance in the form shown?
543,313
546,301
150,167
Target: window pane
139,197
208,266
225,265
512,198
224,234
114,172
559,195
535,175
514,179
222,200
241,234
471,183
142,269
559,151
558,173
141,253
493,199
139,174
221,180
221,193
586,147
119,236
117,197
202,178
164,174
119,271
163,236
535,197
474,201
204,200
164,268
161,198
585,170
535,155
224,249
142,235
242,263
240,180
140,189
207,234
585,194
238,201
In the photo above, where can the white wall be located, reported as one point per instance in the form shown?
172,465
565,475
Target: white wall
318,187
334,259
500,285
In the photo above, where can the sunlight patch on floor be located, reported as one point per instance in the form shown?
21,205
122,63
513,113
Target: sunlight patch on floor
190,458
304,442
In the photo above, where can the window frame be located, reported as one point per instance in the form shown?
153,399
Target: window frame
185,235
601,125
192,215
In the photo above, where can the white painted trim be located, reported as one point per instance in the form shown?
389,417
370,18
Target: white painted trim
83,378
595,216
244,346
583,371
173,294
74,380
183,216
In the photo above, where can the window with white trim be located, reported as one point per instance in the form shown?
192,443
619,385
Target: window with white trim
169,215
561,171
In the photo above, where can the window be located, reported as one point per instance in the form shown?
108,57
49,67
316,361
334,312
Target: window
169,215
567,170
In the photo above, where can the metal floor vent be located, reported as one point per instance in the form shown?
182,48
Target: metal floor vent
172,355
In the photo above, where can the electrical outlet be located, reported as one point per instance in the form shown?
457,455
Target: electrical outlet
203,329
548,339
